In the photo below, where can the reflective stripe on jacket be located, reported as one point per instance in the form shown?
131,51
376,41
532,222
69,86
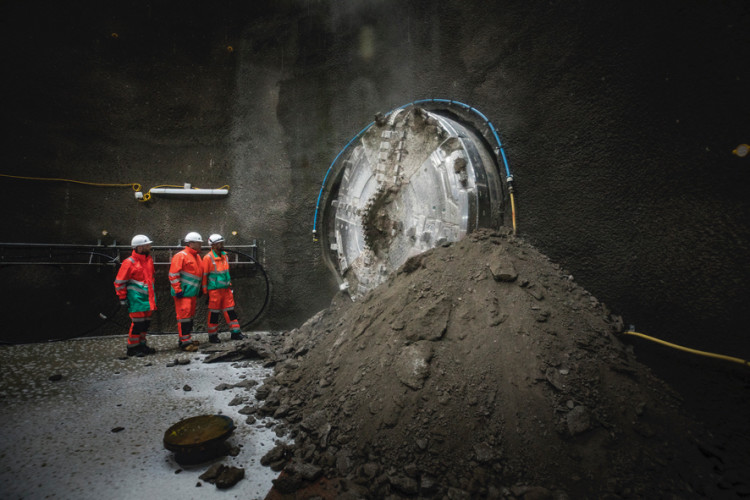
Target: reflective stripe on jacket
135,282
186,273
216,271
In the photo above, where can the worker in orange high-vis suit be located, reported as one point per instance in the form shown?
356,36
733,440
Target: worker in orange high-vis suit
134,285
186,277
217,285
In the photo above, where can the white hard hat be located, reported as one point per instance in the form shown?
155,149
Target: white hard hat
140,239
215,238
193,236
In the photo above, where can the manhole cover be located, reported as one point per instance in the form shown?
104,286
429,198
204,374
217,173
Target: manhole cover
200,438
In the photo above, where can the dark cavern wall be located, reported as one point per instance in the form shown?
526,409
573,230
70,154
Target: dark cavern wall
619,122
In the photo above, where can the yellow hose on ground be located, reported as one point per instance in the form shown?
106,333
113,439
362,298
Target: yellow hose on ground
513,211
687,349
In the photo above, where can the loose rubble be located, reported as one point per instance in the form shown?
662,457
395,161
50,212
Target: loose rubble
480,369
223,476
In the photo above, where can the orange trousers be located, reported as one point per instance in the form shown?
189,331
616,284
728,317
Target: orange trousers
185,309
139,323
221,301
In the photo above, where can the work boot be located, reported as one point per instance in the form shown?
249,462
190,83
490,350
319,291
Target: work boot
237,336
214,338
189,347
136,351
147,350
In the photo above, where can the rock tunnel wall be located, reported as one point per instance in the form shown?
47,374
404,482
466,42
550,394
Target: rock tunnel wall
618,120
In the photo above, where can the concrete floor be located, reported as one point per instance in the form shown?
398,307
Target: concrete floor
57,439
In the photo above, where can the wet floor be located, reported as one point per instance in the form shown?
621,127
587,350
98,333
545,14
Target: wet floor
62,438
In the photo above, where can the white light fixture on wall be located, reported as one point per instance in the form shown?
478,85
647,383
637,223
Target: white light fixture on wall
186,190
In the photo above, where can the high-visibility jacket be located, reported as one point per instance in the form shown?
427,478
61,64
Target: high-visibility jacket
135,282
216,271
186,273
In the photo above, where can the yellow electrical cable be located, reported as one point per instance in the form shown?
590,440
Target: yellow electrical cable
687,349
134,185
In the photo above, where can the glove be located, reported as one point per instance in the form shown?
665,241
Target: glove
124,302
179,294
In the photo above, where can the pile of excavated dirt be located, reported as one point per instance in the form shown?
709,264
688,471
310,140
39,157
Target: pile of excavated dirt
480,369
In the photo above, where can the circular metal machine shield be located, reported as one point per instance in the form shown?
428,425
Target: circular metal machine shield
414,181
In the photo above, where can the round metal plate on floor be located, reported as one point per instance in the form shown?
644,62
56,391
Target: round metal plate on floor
197,439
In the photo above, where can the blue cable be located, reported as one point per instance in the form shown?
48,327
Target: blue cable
322,187
500,148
